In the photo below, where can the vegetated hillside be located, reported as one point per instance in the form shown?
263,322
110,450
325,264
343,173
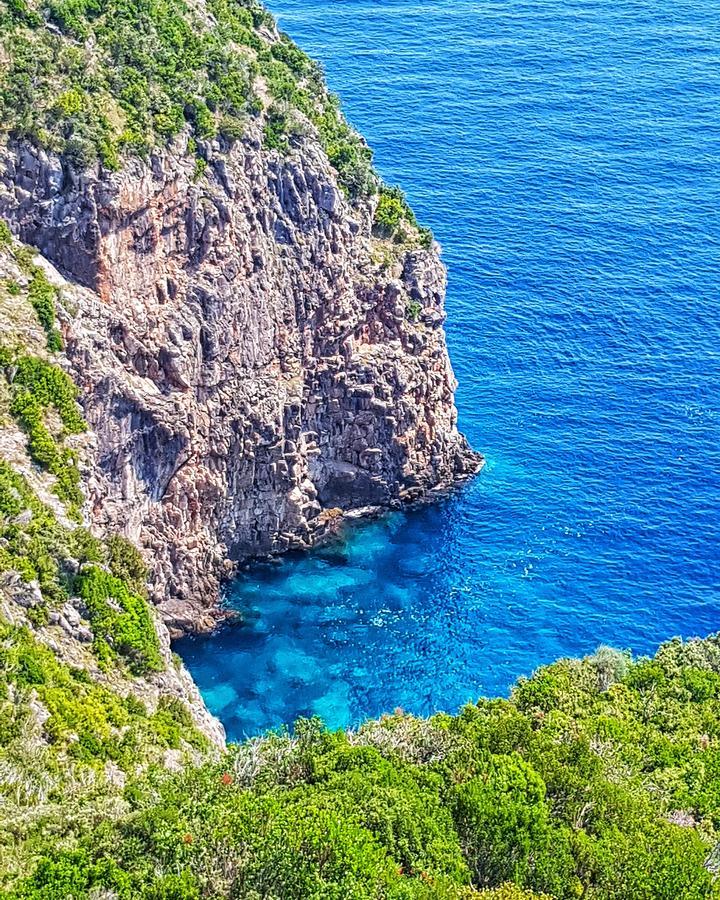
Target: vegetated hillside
598,778
105,80
90,695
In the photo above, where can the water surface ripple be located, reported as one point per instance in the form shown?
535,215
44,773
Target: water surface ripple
567,156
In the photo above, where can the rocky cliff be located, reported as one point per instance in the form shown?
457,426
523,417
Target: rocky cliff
252,360
259,335
63,591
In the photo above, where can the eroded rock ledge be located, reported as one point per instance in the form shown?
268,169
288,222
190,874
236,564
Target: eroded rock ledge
252,360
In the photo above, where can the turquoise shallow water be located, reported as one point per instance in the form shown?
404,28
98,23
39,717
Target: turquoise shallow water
567,156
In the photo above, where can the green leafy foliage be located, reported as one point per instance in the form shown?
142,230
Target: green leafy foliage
276,129
61,733
36,546
50,386
347,151
389,213
38,386
42,295
503,820
125,562
413,309
120,620
395,219
106,77
86,720
597,779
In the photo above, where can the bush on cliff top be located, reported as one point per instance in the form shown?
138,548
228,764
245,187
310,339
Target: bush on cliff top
395,219
596,779
96,79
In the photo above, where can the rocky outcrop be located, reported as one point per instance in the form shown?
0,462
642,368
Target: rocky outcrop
68,635
60,619
253,362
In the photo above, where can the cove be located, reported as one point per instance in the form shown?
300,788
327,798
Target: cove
567,157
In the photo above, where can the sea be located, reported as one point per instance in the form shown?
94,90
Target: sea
566,154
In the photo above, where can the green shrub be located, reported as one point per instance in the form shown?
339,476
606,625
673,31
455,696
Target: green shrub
42,295
50,386
388,215
5,234
86,720
659,862
200,168
276,129
146,69
126,563
231,128
395,219
503,820
414,310
347,151
511,799
120,620
37,548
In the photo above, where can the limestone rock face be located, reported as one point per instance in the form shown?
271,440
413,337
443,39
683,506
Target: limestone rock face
252,360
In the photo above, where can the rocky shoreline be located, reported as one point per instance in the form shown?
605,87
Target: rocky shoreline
254,363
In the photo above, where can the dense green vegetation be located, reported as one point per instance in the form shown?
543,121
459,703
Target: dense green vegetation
42,296
96,79
395,219
101,79
38,386
32,542
598,778
120,621
87,721
67,743
42,398
82,710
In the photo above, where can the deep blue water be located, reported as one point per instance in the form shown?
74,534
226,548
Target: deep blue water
566,154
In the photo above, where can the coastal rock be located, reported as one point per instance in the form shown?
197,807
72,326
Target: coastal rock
247,365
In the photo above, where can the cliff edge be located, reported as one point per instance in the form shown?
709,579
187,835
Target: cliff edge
259,343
